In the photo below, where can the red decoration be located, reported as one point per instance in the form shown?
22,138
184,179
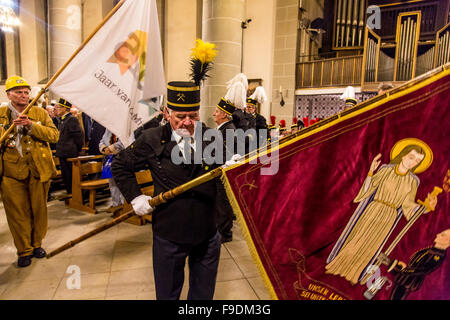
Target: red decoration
273,120
306,121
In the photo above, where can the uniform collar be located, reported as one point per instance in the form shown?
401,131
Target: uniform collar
179,139
65,115
223,124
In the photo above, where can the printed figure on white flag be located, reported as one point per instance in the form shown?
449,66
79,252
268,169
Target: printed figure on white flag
114,76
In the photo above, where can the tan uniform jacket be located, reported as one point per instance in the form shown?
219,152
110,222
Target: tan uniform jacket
37,140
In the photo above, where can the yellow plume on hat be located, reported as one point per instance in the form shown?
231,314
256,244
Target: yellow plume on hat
201,60
204,51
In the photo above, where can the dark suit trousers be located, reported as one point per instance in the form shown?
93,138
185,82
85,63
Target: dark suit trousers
224,213
169,259
66,173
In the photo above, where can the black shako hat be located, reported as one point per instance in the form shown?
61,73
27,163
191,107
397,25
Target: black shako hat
183,96
251,101
64,103
226,106
350,102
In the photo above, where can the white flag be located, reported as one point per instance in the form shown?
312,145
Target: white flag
117,72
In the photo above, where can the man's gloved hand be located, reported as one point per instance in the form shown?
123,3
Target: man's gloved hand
141,205
234,159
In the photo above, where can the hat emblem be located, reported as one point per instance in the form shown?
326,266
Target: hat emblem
181,97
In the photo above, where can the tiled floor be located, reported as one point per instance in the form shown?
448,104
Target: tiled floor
115,264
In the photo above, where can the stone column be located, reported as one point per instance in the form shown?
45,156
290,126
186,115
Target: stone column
284,60
65,31
33,44
179,37
93,14
221,25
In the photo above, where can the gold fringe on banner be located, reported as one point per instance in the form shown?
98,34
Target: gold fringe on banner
251,246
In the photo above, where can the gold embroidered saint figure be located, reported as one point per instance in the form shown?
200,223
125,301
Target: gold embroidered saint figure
385,196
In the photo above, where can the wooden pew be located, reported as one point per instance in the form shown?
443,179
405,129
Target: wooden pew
144,178
81,167
58,169
57,181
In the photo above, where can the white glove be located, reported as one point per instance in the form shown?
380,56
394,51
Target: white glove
141,205
234,159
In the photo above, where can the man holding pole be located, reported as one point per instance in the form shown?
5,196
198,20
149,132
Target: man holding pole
184,226
26,168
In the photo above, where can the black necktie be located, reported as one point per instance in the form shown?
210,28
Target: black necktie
188,150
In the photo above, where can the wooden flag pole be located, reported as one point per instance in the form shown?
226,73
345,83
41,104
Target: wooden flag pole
57,74
161,198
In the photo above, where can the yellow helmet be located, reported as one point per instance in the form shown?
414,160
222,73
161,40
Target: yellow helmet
16,81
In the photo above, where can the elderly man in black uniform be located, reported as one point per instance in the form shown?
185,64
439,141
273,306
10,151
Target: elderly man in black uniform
258,97
260,121
184,227
223,116
70,140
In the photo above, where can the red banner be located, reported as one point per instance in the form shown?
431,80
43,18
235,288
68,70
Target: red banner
357,208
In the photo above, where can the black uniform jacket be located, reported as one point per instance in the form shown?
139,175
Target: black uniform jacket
421,264
223,207
247,122
189,217
230,146
96,134
261,122
70,137
243,120
155,122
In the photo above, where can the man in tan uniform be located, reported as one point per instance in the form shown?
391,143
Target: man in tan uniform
26,168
